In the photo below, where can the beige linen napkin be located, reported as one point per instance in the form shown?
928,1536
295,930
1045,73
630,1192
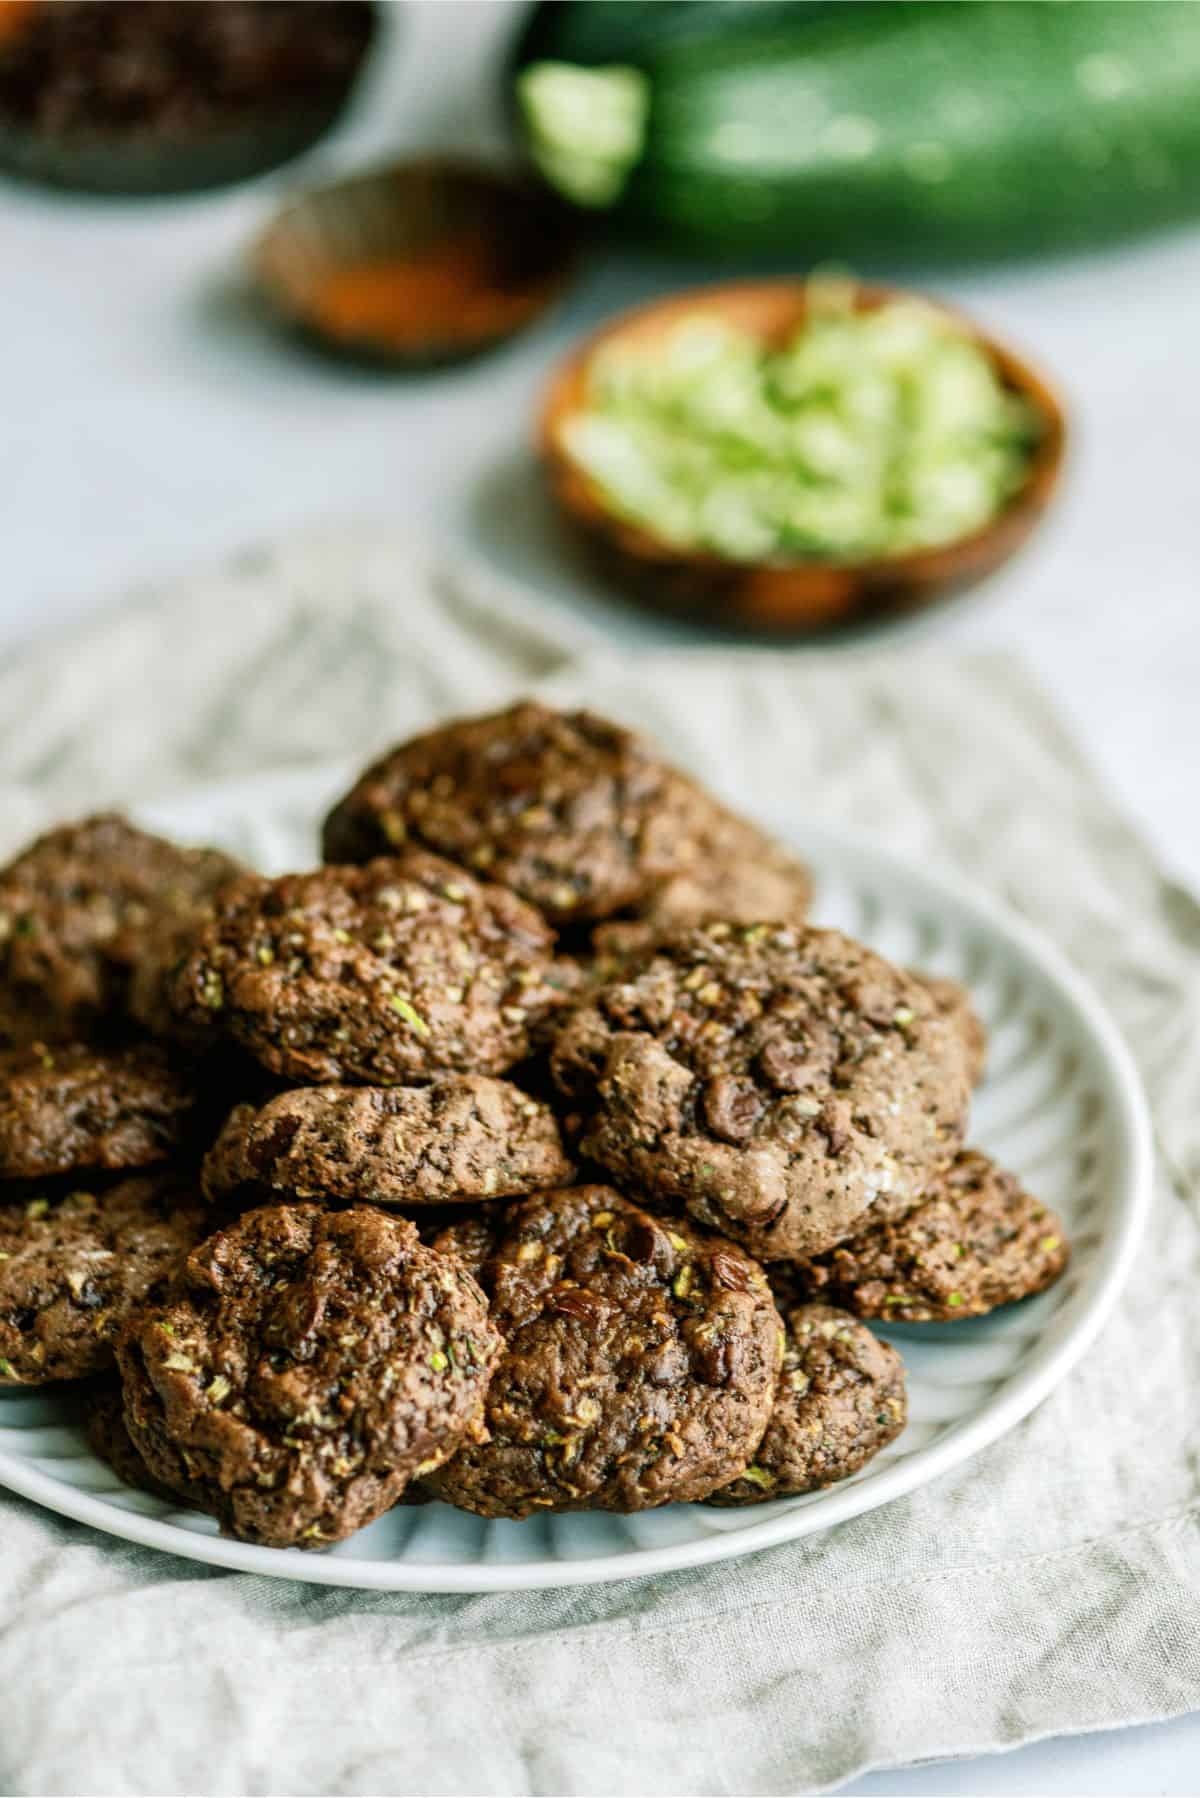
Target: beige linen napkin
1051,1585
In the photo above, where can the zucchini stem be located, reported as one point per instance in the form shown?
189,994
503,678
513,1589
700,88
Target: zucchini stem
586,128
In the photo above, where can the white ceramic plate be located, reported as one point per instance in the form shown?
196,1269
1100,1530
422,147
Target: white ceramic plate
1061,1106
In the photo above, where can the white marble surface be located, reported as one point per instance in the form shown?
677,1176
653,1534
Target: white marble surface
152,421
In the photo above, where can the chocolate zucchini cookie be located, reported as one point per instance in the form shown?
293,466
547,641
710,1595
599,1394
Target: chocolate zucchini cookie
66,1106
309,1363
79,910
640,1361
465,1137
74,1265
736,876
471,1235
171,933
954,1002
841,1399
785,1085
109,1439
575,814
395,971
979,1240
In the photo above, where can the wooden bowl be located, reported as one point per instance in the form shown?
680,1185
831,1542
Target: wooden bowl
425,262
794,596
165,101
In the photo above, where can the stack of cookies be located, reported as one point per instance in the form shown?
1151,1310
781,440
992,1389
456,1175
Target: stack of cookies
533,1153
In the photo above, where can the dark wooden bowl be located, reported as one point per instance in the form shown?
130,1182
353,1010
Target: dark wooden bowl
782,597
110,146
458,257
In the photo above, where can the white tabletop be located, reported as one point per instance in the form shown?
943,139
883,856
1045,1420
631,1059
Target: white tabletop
153,423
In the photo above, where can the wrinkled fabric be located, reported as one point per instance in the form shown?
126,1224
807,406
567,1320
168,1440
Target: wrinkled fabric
1051,1584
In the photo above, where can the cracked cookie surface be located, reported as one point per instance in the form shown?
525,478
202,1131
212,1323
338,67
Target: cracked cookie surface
782,1084
308,1365
640,1359
465,1137
390,972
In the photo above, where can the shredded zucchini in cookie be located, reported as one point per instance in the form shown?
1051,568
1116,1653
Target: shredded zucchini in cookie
868,435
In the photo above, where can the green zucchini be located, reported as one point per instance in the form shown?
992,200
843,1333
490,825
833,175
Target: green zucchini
608,31
934,129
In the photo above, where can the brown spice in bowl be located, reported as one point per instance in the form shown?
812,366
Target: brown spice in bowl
424,261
